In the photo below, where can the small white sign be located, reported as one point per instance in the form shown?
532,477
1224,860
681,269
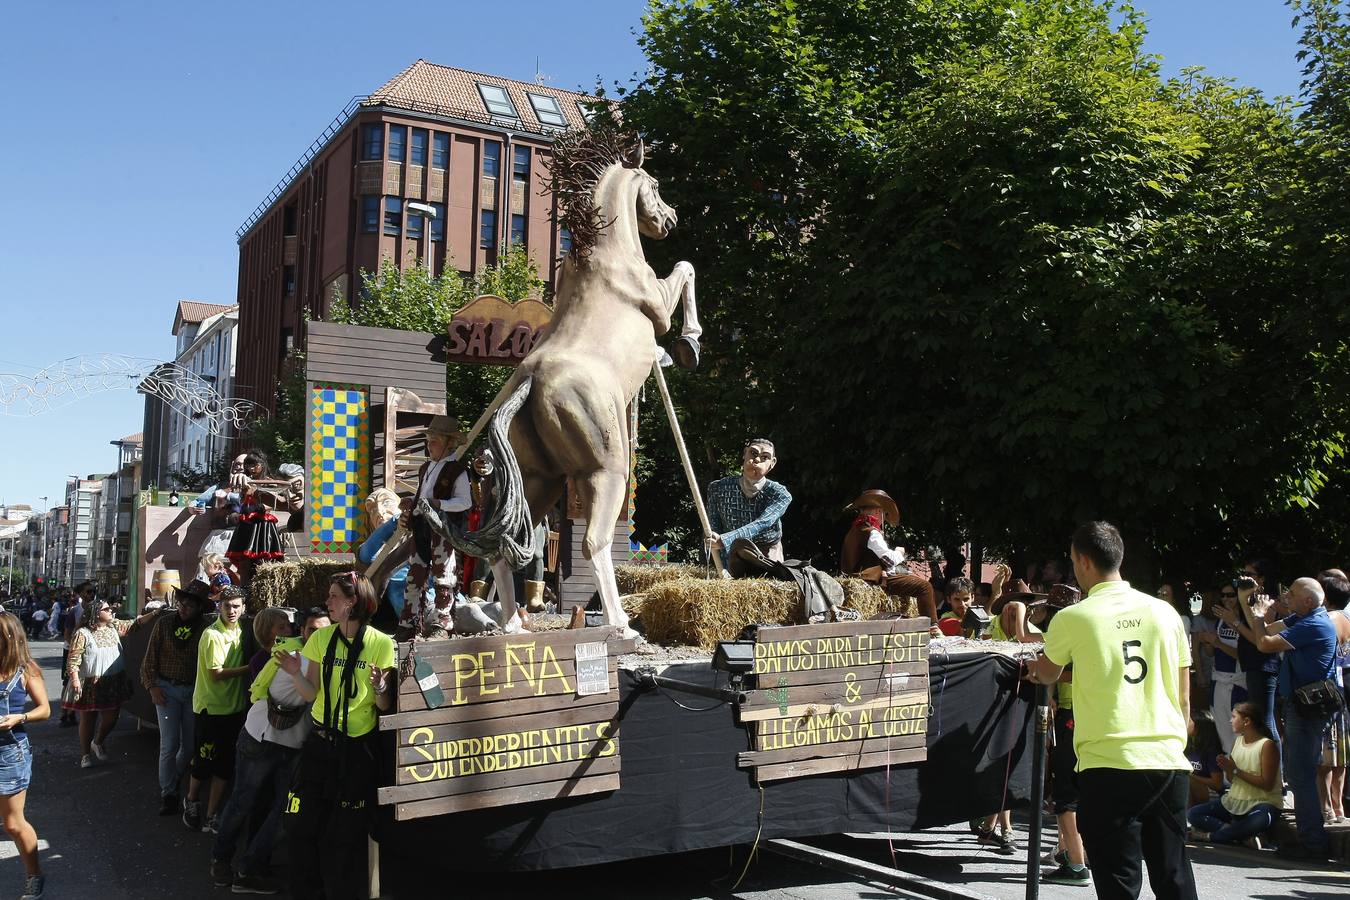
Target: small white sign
897,682
592,668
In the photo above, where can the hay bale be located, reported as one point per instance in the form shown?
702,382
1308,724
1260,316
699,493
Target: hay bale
300,583
702,611
637,579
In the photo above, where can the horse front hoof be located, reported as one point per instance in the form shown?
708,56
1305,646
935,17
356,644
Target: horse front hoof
685,352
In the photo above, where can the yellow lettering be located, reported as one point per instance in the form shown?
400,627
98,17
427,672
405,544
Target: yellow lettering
549,668
486,673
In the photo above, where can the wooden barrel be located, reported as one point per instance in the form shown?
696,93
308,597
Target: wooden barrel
164,582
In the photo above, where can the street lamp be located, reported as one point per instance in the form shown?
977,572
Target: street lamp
428,214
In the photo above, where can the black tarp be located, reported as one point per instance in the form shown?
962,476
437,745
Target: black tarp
681,789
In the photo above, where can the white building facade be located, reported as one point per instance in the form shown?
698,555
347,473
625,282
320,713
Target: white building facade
207,336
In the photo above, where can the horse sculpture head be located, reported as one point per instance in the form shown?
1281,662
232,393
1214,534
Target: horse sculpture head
656,218
581,161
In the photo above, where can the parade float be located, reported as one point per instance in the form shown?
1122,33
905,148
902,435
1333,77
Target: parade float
733,719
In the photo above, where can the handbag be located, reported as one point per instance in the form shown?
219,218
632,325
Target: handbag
1318,699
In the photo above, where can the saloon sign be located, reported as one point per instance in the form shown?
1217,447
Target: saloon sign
492,331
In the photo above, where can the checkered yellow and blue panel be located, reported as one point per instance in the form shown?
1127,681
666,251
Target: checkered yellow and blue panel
339,465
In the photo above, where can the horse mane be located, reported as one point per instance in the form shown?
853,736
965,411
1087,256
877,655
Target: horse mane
579,158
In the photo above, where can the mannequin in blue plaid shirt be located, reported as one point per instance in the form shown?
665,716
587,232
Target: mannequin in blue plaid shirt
749,505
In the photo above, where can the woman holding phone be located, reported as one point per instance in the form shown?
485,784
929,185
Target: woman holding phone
329,811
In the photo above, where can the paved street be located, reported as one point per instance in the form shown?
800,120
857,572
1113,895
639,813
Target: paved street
101,840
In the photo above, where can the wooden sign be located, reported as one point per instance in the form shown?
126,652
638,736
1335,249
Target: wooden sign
492,331
833,698
526,717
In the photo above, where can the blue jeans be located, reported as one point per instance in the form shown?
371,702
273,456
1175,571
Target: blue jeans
1226,828
1302,754
176,740
256,763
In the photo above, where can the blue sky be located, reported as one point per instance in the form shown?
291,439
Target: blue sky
141,134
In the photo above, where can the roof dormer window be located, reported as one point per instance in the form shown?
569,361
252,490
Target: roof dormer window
497,101
547,110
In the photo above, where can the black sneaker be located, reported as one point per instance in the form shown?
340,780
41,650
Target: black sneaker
169,806
1067,874
221,873
1002,844
253,884
1298,851
192,815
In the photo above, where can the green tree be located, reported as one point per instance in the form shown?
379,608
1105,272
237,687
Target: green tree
282,436
981,253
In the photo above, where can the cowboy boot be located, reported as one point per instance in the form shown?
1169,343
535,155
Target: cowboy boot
534,596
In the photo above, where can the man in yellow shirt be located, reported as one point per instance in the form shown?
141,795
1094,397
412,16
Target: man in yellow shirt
1131,699
219,701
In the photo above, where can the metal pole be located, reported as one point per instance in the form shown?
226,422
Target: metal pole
1037,792
42,556
684,461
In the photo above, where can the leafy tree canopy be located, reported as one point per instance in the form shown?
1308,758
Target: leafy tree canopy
980,253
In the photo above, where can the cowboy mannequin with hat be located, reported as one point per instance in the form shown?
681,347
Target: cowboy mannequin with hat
867,555
443,481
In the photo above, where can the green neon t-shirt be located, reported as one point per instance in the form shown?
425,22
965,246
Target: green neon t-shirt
221,647
1127,650
377,649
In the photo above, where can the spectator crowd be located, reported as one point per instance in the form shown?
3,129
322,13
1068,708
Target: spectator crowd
1268,700
247,738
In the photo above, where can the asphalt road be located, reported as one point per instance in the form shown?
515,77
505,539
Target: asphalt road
102,840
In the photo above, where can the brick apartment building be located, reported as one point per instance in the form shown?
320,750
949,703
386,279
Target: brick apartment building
472,146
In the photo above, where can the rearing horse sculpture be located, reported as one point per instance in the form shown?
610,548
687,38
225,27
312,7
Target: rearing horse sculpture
574,389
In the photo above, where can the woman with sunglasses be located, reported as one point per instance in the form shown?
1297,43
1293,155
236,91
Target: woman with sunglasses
329,812
23,699
97,679
1229,681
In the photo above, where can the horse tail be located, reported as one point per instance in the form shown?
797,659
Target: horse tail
509,533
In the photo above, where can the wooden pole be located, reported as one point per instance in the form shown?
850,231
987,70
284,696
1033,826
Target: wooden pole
688,466
478,426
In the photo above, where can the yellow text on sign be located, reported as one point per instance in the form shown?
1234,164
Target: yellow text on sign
511,750
485,674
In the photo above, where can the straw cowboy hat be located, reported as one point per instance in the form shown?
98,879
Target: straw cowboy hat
879,498
445,426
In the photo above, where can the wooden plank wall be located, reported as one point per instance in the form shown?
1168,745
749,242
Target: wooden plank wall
377,358
576,578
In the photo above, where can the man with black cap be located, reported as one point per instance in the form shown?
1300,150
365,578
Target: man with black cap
168,672
867,555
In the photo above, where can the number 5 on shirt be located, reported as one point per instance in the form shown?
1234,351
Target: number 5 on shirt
1134,660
